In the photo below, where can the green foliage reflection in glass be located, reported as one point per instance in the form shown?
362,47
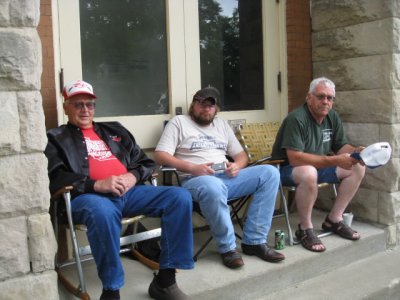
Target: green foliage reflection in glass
124,55
231,52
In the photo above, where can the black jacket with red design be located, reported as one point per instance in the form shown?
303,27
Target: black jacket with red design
68,162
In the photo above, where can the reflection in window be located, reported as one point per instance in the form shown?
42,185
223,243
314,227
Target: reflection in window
231,51
124,55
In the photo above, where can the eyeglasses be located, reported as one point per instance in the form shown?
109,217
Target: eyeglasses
322,97
80,105
206,103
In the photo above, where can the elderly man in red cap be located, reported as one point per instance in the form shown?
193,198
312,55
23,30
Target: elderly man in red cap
107,169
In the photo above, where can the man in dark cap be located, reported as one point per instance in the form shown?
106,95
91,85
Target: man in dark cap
195,144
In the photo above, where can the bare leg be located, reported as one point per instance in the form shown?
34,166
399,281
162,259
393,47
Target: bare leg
306,194
350,182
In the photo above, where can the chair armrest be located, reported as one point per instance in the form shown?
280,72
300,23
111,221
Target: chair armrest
266,161
261,160
169,171
59,192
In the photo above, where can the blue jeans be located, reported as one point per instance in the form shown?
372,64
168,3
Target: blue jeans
102,216
212,194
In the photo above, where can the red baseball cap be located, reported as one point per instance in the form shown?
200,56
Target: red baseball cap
77,87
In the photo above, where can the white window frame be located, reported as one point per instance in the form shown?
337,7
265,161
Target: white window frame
183,62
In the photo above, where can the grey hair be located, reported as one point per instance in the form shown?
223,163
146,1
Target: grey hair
325,81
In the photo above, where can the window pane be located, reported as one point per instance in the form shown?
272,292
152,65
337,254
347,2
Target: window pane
124,55
231,51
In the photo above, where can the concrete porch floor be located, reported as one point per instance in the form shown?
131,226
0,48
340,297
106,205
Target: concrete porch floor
257,279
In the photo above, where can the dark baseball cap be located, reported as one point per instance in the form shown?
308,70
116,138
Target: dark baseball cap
207,93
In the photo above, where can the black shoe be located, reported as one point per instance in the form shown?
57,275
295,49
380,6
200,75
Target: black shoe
110,295
263,252
232,259
173,292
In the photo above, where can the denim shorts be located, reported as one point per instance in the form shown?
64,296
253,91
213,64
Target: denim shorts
324,175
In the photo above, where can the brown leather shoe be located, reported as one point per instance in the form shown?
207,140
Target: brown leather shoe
232,259
263,252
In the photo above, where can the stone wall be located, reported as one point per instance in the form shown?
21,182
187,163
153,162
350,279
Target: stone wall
356,44
27,245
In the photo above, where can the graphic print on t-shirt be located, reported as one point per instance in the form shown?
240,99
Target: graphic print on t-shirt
207,142
326,135
98,150
102,163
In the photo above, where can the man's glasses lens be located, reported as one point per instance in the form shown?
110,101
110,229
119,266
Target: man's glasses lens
321,97
81,105
206,103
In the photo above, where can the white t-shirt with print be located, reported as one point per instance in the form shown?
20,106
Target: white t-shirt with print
188,141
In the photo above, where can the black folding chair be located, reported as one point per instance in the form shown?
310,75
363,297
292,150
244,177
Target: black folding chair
171,177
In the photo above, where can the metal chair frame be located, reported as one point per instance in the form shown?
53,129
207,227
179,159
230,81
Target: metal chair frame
83,253
258,139
235,206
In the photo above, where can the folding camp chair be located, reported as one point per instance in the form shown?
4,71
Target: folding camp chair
61,217
171,177
258,139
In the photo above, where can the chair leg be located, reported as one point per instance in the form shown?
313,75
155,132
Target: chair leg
235,207
286,212
202,248
334,189
82,285
324,234
71,288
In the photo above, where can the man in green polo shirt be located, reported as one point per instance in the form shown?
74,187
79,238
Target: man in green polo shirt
306,137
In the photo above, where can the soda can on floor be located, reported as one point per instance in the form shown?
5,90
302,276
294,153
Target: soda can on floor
279,239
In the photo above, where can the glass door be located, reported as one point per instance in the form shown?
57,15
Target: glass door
146,58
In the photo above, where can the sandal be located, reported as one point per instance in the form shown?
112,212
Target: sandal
309,239
341,229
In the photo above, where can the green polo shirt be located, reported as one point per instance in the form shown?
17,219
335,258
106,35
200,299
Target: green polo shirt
300,132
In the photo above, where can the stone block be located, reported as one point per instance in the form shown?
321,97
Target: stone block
352,41
33,131
10,142
364,205
391,133
362,73
362,134
388,206
398,233
368,106
24,13
326,14
20,59
24,185
392,239
38,286
383,179
42,242
14,256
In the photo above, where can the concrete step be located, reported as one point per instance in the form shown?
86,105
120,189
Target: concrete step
372,278
257,279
